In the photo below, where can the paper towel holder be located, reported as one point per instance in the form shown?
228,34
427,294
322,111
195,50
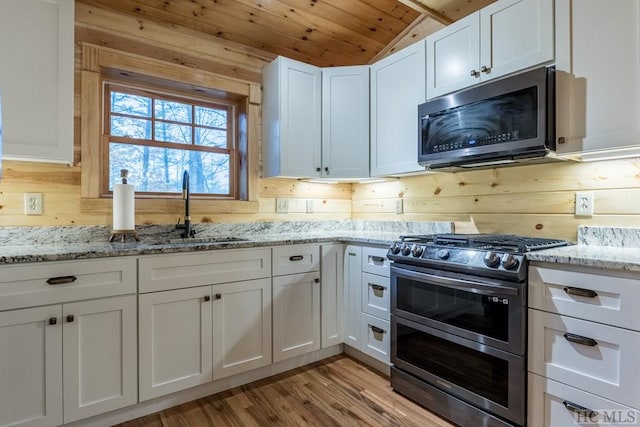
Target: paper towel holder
123,234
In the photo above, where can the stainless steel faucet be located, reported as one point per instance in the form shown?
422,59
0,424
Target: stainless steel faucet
188,231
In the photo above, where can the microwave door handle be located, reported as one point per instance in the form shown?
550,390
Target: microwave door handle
460,284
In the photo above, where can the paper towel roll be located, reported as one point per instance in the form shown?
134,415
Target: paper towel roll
123,207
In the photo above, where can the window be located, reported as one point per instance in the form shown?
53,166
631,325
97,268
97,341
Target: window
156,137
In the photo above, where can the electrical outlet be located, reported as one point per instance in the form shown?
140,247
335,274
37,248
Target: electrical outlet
33,203
309,206
584,204
399,206
282,205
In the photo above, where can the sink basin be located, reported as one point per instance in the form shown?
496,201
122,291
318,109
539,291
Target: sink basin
200,240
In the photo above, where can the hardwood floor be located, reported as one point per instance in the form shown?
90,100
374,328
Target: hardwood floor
339,391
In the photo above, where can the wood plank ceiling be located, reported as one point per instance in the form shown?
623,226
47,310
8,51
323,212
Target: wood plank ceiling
319,32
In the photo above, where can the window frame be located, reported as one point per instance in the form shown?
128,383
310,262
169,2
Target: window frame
154,93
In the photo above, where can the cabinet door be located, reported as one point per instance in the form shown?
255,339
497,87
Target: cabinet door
345,122
296,315
31,370
36,79
100,356
515,35
291,123
352,294
331,275
397,87
453,55
241,327
175,340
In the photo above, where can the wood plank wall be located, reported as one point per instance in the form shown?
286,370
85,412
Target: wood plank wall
60,184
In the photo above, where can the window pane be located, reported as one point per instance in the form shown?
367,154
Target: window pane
127,103
154,169
211,137
169,132
174,111
129,127
211,117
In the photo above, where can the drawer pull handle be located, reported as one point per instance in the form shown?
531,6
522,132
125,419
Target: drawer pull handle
53,320
377,287
207,298
574,407
377,258
580,292
61,280
579,339
377,330
296,258
70,318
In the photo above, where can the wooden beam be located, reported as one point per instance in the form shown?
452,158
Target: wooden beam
419,6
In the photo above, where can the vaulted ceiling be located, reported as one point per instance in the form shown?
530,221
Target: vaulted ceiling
319,32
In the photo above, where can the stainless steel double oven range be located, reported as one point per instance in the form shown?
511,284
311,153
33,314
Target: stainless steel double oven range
458,325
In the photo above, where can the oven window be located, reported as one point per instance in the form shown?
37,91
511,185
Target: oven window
482,314
481,373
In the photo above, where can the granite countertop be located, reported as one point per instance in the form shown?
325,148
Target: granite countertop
69,243
616,248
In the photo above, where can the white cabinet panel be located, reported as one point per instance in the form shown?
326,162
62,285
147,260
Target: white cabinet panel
175,342
241,327
100,356
376,337
352,294
331,293
375,296
296,315
31,374
375,261
36,79
606,364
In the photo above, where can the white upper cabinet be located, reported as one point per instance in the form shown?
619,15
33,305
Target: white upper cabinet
36,79
291,119
345,122
315,120
598,64
502,38
397,87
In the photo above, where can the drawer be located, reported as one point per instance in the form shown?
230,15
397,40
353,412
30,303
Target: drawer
375,295
551,404
54,282
374,261
295,259
375,337
607,366
586,294
176,271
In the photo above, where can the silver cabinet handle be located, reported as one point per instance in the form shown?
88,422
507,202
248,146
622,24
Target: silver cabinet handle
474,73
574,407
485,69
377,287
377,330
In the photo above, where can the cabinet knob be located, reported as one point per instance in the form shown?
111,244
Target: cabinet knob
316,280
207,298
70,318
326,169
485,69
318,169
218,296
53,320
474,73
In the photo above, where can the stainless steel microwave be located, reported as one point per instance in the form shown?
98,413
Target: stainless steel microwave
502,122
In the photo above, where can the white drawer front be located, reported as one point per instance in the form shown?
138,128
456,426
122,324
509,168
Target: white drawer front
26,285
609,368
586,294
553,404
375,295
295,259
376,337
374,261
175,271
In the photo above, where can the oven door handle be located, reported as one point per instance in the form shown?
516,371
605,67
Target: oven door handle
458,284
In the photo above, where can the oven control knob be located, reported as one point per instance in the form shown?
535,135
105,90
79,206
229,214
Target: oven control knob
417,250
509,262
443,253
406,249
395,248
491,259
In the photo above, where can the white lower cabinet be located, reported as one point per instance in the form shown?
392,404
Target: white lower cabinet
175,340
296,315
352,294
375,336
241,327
331,294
